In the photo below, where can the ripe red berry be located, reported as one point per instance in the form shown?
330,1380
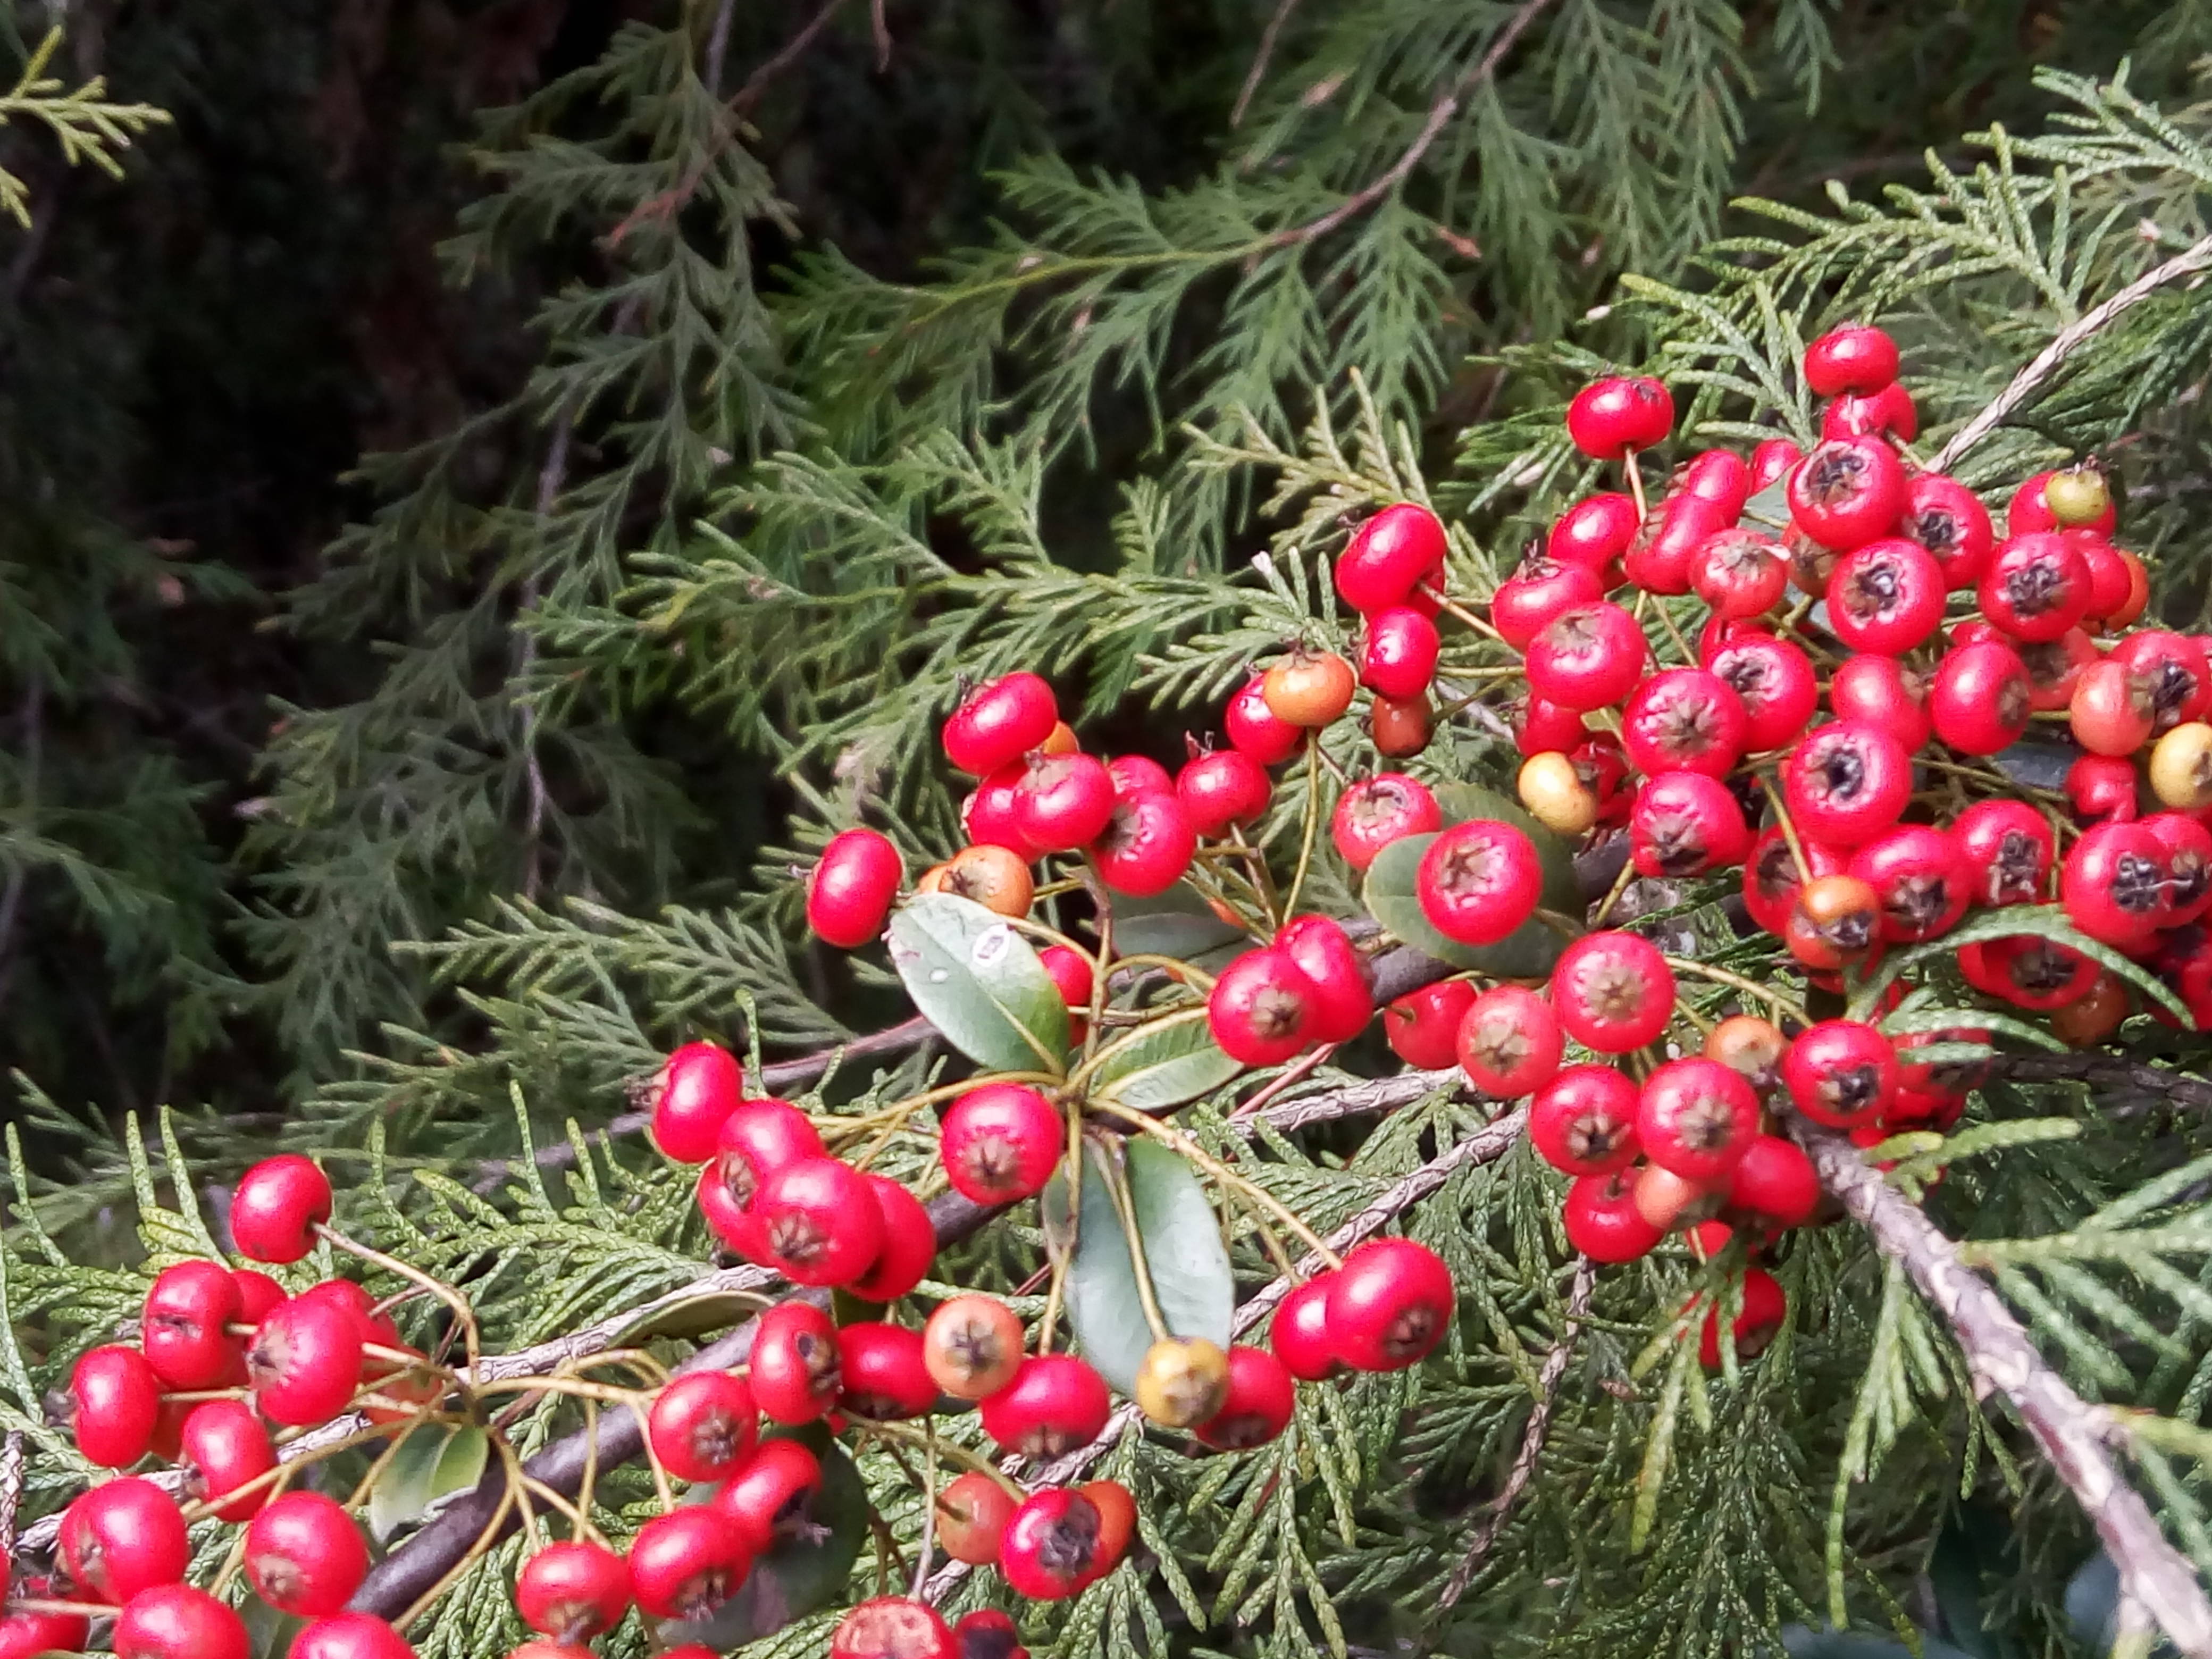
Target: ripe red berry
892,1627
222,1447
26,1635
1000,1143
1389,1304
1064,802
1880,691
1138,774
702,1424
972,1513
1885,596
354,1636
1613,991
2008,850
1772,879
2113,884
1602,1221
1775,1179
2036,587
1478,881
1509,1042
1595,532
1589,657
1660,562
818,1221
2180,681
1841,1073
1764,1309
909,1243
884,1374
1847,782
1582,1122
2188,844
1739,572
1000,722
989,815
1610,419
2111,582
2100,787
1398,657
257,1294
795,1363
1224,786
1684,823
1400,549
1300,1333
1261,1008
1148,843
1719,476
1343,1003
176,1621
1847,492
1684,720
1255,729
184,1327
1422,1026
278,1204
1070,974
695,1092
304,1555
1949,521
1055,1404
113,1400
1527,601
1377,811
771,1498
972,1347
1855,359
304,1363
1887,413
850,891
1695,1117
757,1139
1545,728
2111,712
1775,683
1258,1404
686,1564
1051,1546
2030,509
573,1591
2028,972
1981,698
123,1537
1921,883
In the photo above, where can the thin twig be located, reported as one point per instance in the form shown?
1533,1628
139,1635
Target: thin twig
2074,1434
718,49
1259,70
757,82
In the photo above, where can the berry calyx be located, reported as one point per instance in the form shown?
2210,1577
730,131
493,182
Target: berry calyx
1613,991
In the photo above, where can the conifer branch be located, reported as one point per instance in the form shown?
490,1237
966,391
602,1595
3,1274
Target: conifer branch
2074,1434
1260,60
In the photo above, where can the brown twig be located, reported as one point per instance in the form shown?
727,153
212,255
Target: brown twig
793,49
2074,1434
1259,70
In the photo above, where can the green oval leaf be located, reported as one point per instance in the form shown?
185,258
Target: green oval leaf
1527,952
433,1465
1184,1250
978,980
802,1573
1177,923
1163,1064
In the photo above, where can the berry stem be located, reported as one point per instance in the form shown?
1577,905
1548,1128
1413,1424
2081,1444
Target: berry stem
1636,485
1140,1267
1103,904
1613,894
1789,828
1312,823
445,1293
1452,608
922,1550
1264,879
1221,1173
1751,987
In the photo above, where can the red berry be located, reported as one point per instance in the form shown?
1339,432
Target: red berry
1000,722
769,1499
1509,1042
883,1371
2102,787
2036,587
1774,680
795,1363
2110,712
892,1627
2008,850
697,1088
1772,460
1602,1221
1377,811
1847,492
1855,359
1257,1405
758,1137
1389,1304
1695,1117
1582,1122
1719,476
304,1363
113,1400
1847,782
278,1204
1660,562
686,1564
1919,880
2029,973
176,1621
257,1294
1300,1333
357,1304
971,1518
987,1633
121,1538
1981,698
909,1244
1146,845
1070,974
1595,532
1000,1143
2112,580
1260,1009
1949,521
2188,844
1739,572
1841,1073
1399,656
818,1221
1527,601
27,1635
701,1425
1772,879
1255,730
1223,787
1613,991
1397,551
1776,1180
1887,413
1065,801
2180,682
1343,1004
1422,1026
304,1555
1684,823
989,815
1138,774
1611,418
850,891
1885,596
356,1636
1586,658
1879,691
1055,1404
2113,884
222,1447
1545,728
1684,720
1765,1307
972,1347
1051,1546
574,1591
1478,881
183,1329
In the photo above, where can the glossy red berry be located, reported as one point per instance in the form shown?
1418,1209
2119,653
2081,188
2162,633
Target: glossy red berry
702,1424
1072,975
1920,881
304,1555
1399,549
183,1329
1527,601
1880,691
2008,850
1773,880
1398,657
987,1633
26,1635
1774,680
1258,1404
1841,1073
1660,562
2175,666
1949,521
1684,720
1055,1404
885,1377
686,1564
354,1636
972,1513
850,891
1065,801
1776,1180
1544,728
2110,579
222,1447
1147,844
1885,596
1719,476
1051,1546
1343,1003
1772,460
1000,722
771,1498
2113,884
1300,1331
1478,881
113,1400
1389,1304
1000,1143
795,1363
1582,1122
278,1204
989,815
176,1621
1739,572
1765,1308
1887,413
1696,1117
1847,492
123,1537
1255,730
1375,811
1981,698
573,1591
818,1221
909,1243
2111,711
1595,532
1589,657
2100,787
304,1363
2031,973
1422,1026
1855,360
1847,782
1509,1042
1613,991
1603,1223
759,1137
697,1088
1612,417
1138,774
1225,786
1261,1008
2036,587
2188,844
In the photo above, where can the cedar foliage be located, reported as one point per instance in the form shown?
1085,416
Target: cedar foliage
767,402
